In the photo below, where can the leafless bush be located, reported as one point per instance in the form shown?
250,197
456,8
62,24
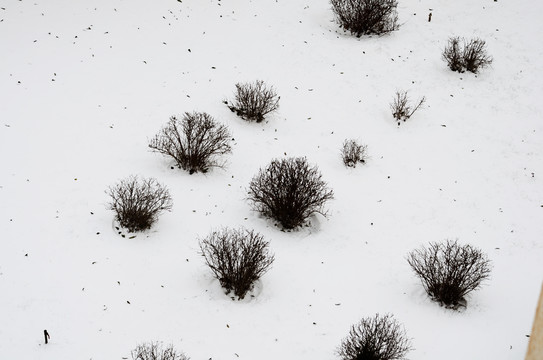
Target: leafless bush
194,142
449,271
375,338
254,101
472,56
289,191
138,202
366,17
237,258
155,351
401,107
452,54
475,56
352,153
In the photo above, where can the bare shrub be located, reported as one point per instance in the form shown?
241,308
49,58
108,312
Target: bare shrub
237,258
289,191
452,54
138,202
352,153
253,101
375,338
449,271
475,56
194,142
401,107
471,56
366,17
155,351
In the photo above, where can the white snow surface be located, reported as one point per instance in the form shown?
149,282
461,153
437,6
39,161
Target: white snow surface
84,85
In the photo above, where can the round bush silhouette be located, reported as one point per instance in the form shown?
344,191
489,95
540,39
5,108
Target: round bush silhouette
289,190
375,338
449,271
138,202
237,258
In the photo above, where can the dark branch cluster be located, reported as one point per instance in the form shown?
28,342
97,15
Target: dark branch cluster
289,191
375,338
194,142
155,351
138,202
353,153
463,55
452,54
367,17
449,271
253,101
401,107
237,258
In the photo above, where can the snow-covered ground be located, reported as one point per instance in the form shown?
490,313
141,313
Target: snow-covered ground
84,85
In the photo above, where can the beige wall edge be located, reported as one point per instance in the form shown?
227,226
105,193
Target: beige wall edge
535,347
